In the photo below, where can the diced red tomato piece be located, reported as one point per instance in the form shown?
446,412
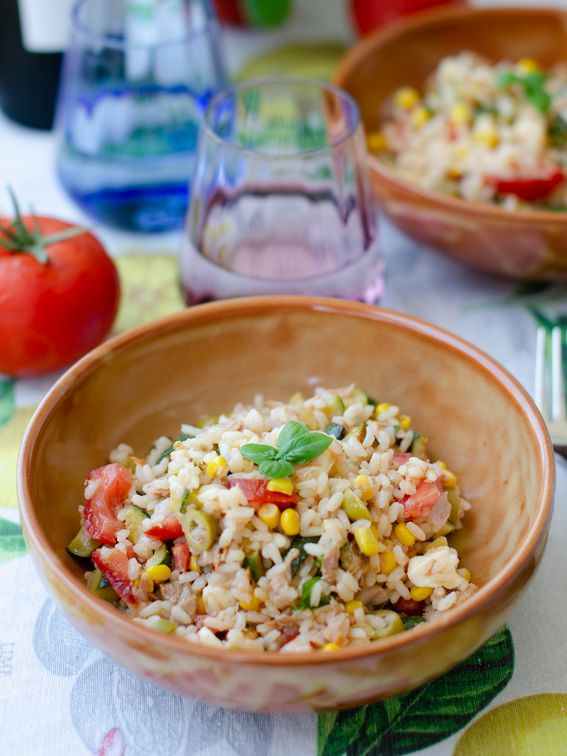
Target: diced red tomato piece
113,564
408,606
181,556
400,458
256,491
169,530
419,505
101,510
529,188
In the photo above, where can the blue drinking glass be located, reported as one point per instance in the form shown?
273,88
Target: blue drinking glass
136,78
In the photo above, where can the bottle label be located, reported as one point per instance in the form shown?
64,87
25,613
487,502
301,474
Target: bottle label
45,24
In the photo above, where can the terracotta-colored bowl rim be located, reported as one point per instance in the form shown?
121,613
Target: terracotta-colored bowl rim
396,32
257,306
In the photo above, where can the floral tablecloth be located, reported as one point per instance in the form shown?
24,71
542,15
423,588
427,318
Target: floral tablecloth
59,695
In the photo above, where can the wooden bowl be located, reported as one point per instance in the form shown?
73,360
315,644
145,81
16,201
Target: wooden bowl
521,244
145,383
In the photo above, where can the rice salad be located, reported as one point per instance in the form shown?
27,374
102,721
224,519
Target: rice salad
480,131
313,524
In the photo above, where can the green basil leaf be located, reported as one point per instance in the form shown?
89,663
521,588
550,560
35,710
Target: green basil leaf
258,452
289,435
506,78
534,79
277,468
539,98
307,447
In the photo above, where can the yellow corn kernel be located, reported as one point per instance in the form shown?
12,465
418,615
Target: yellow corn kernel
419,117
404,535
460,114
352,606
464,572
270,515
290,522
251,606
330,647
406,98
441,541
450,479
194,564
215,465
447,528
362,482
382,407
405,422
420,594
388,562
177,445
454,172
296,398
206,420
159,573
200,605
307,417
487,135
376,141
282,485
528,65
461,151
366,541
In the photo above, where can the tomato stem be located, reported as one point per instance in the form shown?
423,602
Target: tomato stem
20,239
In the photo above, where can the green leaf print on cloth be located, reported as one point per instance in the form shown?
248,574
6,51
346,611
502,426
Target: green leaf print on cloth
12,542
7,402
425,716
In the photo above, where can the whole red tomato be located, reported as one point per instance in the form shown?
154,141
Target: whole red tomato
370,14
59,294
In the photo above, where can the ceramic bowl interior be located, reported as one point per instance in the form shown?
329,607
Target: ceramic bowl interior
405,54
203,361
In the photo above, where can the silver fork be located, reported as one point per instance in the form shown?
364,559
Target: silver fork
550,386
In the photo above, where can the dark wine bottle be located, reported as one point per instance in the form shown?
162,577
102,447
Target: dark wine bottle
31,45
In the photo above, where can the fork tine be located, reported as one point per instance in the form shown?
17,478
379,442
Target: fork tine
540,388
557,377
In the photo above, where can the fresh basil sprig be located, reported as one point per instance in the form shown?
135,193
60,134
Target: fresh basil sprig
296,445
533,84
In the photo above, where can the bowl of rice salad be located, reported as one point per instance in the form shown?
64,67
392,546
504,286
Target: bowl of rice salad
467,135
326,496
